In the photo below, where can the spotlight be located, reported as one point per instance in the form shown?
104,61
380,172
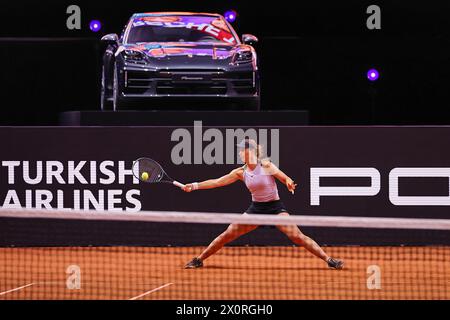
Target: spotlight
373,75
230,15
95,25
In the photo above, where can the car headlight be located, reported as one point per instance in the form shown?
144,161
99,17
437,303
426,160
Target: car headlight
243,57
134,56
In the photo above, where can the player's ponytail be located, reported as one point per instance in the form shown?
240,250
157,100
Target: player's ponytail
265,161
259,151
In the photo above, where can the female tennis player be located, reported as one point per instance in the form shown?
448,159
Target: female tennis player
259,177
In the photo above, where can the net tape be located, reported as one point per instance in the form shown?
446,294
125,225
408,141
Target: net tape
228,218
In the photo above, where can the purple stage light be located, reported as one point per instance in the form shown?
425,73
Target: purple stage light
373,75
230,15
95,25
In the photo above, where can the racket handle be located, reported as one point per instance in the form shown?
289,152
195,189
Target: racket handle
178,184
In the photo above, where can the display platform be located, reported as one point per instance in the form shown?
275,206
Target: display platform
184,118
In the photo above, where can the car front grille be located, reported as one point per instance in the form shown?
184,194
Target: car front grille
242,82
188,82
173,88
139,82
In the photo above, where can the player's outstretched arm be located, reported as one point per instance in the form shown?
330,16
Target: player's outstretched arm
227,179
280,175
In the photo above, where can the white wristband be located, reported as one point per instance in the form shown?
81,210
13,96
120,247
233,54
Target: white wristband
195,186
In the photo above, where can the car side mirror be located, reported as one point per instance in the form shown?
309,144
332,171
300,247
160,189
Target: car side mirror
111,38
249,39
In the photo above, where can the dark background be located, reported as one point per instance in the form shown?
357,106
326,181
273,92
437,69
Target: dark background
313,55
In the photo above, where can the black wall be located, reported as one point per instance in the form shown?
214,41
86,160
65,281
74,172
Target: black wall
314,56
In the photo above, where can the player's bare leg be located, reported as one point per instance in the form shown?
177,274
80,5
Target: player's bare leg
300,239
233,232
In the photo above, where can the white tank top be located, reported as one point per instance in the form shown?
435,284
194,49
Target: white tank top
261,185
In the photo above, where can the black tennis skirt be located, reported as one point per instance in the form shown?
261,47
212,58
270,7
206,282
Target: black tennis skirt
270,207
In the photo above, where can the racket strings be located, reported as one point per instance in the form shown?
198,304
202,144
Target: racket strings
151,170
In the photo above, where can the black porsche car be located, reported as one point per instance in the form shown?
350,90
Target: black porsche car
169,55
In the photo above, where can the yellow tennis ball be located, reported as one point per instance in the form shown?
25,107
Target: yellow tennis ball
144,176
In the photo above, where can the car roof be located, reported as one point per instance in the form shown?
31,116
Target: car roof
177,13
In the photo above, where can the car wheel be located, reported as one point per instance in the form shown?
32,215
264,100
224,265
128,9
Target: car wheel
117,103
105,100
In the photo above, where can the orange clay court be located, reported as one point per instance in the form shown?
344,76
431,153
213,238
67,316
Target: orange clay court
245,273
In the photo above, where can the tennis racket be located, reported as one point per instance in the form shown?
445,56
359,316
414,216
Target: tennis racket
150,171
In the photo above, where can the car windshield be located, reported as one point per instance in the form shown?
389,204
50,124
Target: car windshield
178,28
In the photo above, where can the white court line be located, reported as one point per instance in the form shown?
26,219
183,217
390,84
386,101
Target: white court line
153,290
16,289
